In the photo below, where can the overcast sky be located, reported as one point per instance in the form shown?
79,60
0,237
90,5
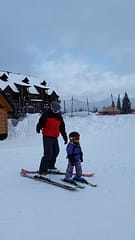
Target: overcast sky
81,47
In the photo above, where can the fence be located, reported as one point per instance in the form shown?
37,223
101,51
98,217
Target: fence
75,105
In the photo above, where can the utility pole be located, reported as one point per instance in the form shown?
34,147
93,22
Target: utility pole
72,107
88,106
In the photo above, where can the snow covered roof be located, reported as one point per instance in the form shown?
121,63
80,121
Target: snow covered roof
33,90
23,80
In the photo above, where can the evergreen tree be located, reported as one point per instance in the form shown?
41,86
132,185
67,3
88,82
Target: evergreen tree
113,103
118,102
126,104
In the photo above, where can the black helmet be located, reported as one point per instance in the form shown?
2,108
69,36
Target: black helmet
73,134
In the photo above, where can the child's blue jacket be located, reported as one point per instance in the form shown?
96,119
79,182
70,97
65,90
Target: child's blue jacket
74,151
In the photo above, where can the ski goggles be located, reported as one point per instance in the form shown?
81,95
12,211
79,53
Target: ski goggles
77,138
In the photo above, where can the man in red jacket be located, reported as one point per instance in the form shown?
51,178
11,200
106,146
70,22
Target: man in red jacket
52,124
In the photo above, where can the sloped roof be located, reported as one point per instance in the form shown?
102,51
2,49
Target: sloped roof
19,79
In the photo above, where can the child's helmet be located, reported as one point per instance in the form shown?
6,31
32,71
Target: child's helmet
73,135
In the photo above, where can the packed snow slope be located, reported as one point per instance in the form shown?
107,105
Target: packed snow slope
35,210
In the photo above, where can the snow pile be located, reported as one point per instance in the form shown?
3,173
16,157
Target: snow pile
33,210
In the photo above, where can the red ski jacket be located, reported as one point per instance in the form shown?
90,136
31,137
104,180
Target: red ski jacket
51,128
52,124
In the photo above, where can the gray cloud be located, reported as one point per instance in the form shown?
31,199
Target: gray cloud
96,33
76,78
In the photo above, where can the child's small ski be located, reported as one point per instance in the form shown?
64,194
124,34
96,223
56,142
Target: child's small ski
86,182
63,173
74,183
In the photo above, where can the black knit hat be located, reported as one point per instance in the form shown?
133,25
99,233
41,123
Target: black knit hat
55,106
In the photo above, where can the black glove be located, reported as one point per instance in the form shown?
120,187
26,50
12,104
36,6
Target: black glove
65,140
81,157
37,129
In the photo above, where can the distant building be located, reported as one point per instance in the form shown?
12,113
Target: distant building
109,111
25,94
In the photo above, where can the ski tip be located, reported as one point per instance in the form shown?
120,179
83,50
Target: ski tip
88,174
22,172
72,188
93,185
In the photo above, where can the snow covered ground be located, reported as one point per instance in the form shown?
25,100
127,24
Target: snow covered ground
34,210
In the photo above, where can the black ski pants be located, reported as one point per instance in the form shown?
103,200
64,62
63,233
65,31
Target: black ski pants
51,151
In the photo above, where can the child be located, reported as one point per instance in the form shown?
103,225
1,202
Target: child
75,157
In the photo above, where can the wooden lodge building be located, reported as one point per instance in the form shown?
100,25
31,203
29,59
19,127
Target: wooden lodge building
21,94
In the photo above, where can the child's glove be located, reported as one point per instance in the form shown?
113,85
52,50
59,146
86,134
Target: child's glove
81,157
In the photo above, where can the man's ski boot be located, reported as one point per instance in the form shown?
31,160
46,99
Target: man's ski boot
54,170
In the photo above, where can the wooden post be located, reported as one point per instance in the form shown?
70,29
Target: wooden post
3,123
64,107
72,107
88,106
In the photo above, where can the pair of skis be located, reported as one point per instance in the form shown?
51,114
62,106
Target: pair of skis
56,173
35,176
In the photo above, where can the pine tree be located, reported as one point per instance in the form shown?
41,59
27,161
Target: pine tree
126,104
118,102
113,103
